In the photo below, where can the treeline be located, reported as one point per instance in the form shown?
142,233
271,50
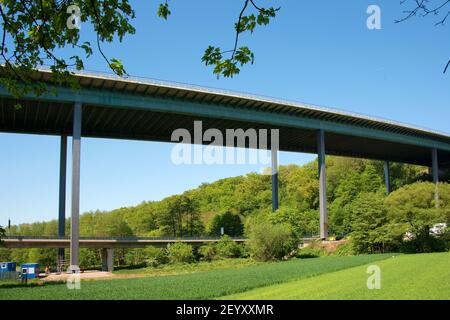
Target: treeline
356,202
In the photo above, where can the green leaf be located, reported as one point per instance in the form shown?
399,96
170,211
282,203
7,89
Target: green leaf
163,11
117,66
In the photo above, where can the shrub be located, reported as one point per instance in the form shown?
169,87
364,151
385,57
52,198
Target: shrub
271,242
424,244
180,253
207,252
308,253
345,249
156,256
227,248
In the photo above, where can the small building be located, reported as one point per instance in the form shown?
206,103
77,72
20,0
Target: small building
7,266
31,270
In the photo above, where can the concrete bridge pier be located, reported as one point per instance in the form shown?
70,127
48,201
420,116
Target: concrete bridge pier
435,172
387,177
108,259
62,196
274,179
75,213
322,185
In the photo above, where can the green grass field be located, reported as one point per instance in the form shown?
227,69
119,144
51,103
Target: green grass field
186,268
424,276
201,285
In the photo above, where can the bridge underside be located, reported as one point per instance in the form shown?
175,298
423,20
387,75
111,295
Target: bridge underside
50,118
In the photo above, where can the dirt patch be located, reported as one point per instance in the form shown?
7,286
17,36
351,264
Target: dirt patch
93,275
331,246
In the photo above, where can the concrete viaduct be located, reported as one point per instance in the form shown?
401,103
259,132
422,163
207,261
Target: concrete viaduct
107,245
111,107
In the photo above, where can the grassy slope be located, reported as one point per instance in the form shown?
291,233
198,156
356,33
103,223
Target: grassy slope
424,276
201,285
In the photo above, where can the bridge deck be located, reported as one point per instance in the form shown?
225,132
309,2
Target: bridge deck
101,243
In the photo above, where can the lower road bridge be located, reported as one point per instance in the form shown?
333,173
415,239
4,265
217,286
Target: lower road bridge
104,242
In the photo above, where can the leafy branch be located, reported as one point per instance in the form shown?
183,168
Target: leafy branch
34,31
424,8
228,63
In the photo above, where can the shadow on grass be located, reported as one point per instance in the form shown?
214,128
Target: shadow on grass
131,267
30,284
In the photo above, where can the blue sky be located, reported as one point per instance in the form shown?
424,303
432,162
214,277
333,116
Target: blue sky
318,52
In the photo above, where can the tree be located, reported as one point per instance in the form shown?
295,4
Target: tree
179,215
35,30
412,211
231,224
369,216
303,223
2,234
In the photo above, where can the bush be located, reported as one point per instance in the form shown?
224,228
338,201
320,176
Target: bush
308,253
345,249
271,242
227,248
315,249
424,245
156,256
180,253
207,252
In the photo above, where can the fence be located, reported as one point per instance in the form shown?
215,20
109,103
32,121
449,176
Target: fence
9,276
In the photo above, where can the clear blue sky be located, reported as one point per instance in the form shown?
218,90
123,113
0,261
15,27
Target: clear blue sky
315,51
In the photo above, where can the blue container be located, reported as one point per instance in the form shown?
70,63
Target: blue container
30,270
7,266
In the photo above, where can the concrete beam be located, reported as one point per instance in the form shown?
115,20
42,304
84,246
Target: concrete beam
387,177
62,194
274,179
108,259
75,215
322,185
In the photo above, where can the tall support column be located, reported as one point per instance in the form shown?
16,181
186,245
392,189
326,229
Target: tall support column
435,171
387,177
62,194
322,185
274,179
75,214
